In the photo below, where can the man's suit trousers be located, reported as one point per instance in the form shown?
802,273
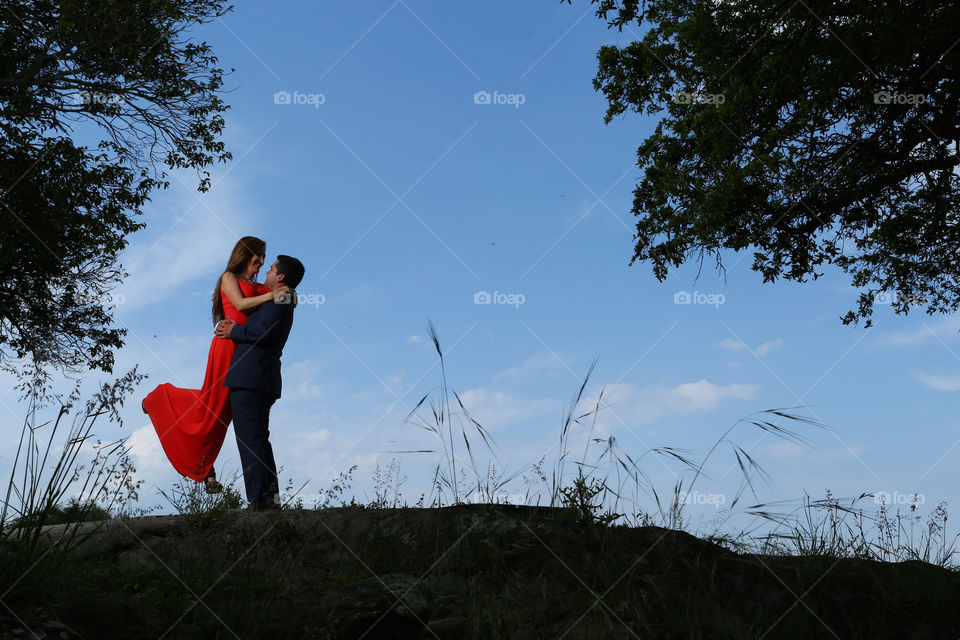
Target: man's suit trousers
251,418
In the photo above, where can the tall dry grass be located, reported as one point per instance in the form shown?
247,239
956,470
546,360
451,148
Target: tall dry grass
609,479
42,482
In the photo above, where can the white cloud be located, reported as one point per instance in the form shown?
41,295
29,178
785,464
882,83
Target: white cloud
394,380
705,396
300,378
937,332
761,351
184,241
311,438
786,450
940,383
496,409
415,339
647,404
737,345
178,359
767,347
144,445
783,449
535,367
732,345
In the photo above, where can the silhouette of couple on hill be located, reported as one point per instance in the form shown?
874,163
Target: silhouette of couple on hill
242,379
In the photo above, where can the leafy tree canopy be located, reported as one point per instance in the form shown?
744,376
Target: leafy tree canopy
128,72
813,131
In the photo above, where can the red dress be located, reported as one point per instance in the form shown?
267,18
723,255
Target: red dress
192,423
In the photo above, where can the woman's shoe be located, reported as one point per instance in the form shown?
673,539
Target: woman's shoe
142,405
211,485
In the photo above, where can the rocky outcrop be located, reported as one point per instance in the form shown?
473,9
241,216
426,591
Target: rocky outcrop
473,571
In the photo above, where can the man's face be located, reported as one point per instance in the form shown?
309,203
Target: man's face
271,280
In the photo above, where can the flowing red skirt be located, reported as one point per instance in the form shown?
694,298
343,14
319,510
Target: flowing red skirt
192,423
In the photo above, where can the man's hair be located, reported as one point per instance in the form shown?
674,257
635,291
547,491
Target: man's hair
291,268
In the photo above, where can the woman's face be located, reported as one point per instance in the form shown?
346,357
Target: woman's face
254,264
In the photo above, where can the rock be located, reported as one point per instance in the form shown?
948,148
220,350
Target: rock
497,571
449,628
53,625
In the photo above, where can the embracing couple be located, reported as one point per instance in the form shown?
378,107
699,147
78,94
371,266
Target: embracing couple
242,380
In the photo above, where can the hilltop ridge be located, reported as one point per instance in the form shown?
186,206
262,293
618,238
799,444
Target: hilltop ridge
471,571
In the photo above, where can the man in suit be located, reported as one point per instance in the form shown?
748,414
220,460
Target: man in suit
254,380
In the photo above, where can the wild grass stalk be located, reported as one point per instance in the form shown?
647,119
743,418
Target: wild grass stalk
613,459
607,474
198,508
30,503
838,527
596,473
39,483
442,415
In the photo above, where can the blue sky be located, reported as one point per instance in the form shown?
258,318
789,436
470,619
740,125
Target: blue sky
406,194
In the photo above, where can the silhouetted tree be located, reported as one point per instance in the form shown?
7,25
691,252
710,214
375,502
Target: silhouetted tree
125,78
812,131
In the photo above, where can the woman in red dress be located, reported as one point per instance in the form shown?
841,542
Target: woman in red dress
192,423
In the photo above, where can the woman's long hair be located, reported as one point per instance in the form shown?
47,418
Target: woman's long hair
246,248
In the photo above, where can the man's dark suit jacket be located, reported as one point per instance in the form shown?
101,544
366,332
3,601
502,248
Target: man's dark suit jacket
256,361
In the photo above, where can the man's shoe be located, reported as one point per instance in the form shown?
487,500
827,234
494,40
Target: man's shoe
270,505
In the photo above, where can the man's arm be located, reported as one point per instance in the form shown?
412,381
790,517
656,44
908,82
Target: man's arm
260,324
